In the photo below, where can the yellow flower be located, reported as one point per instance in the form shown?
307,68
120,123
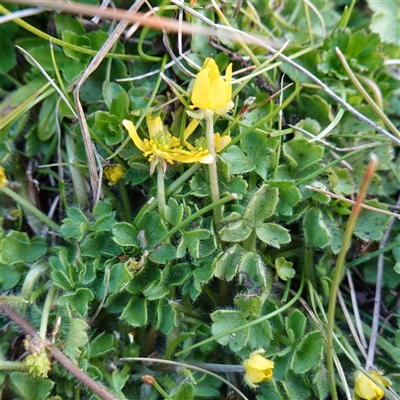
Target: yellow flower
258,368
114,173
162,147
366,389
3,178
210,91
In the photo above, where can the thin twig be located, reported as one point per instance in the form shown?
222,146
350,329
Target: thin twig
58,355
378,295
89,147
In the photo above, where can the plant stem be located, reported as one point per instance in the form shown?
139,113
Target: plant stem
161,390
46,311
31,208
249,324
58,355
12,366
309,270
198,214
339,267
161,191
212,168
125,202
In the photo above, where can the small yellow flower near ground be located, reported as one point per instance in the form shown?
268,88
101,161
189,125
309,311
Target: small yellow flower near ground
38,364
114,173
3,178
210,91
163,148
258,368
366,389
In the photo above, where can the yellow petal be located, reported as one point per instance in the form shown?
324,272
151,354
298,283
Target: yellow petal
134,136
228,74
366,388
260,362
254,375
201,90
155,125
190,128
3,178
220,142
212,67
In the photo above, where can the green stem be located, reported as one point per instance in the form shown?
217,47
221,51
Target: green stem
212,168
34,273
198,214
31,208
366,96
161,390
13,366
249,324
125,201
309,270
170,189
46,311
161,191
339,268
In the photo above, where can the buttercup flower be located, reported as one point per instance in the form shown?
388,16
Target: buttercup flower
114,173
366,389
210,91
258,368
163,148
3,178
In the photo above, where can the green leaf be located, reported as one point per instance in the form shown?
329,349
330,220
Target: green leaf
173,212
109,126
252,273
261,206
315,229
68,23
145,277
261,151
75,225
309,353
237,161
17,248
78,300
296,386
301,154
289,196
191,241
30,387
183,392
101,344
227,263
110,91
273,234
47,124
135,313
163,253
284,268
8,59
225,320
236,231
296,323
359,49
153,227
137,174
119,379
371,225
125,234
316,108
119,277
76,338
385,20
251,304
